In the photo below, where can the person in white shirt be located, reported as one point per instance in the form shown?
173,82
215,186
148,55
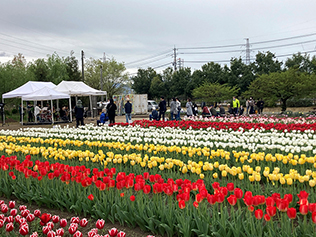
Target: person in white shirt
37,112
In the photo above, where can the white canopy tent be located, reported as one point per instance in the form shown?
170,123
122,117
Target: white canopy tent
25,89
78,88
47,93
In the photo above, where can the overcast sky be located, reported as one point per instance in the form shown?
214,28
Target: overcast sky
134,30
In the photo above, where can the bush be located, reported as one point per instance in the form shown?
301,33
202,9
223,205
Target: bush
14,111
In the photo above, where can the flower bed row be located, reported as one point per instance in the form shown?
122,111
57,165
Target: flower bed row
174,206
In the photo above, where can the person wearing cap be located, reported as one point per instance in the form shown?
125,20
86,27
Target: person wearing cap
79,111
128,111
154,115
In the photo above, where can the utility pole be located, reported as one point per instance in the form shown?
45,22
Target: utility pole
101,81
82,64
247,51
175,58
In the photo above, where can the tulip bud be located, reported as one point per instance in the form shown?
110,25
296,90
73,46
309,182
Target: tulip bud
113,232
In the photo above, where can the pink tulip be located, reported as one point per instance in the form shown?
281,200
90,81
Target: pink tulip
9,227
34,234
22,207
46,229
10,219
24,229
4,208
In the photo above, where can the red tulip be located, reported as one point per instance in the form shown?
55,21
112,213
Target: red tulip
45,218
78,234
304,209
13,212
215,185
4,208
100,224
230,187
181,204
37,213
258,214
63,223
60,231
1,223
289,197
113,232
121,234
73,228
50,224
12,204
282,204
91,197
55,219
24,229
232,200
312,207
46,229
30,217
270,201
132,198
303,195
195,204
267,217
34,234
83,222
75,219
51,233
271,211
212,199
10,219
291,213
251,208
22,207
314,217
25,212
238,193
1,217
9,227
92,232
220,197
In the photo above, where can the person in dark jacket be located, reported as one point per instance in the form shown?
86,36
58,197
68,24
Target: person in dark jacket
111,108
154,115
128,111
162,108
79,111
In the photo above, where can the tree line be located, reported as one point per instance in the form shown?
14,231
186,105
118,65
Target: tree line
266,78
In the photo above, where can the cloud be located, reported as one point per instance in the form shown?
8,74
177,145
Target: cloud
4,54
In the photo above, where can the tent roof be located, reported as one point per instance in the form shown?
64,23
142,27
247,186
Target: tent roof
45,93
77,88
28,88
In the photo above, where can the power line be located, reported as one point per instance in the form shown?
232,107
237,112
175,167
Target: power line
147,58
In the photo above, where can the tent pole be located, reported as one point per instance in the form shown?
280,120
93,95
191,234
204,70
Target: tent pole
92,115
22,111
3,115
52,110
70,109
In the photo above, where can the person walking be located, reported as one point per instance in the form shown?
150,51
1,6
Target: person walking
178,109
189,107
162,108
173,109
128,111
236,105
79,111
111,108
30,109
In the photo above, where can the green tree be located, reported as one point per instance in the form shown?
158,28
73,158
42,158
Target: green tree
142,81
266,63
157,87
214,92
180,81
57,69
40,69
282,86
72,67
240,74
113,77
301,62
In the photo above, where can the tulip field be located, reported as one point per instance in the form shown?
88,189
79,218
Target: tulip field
230,177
